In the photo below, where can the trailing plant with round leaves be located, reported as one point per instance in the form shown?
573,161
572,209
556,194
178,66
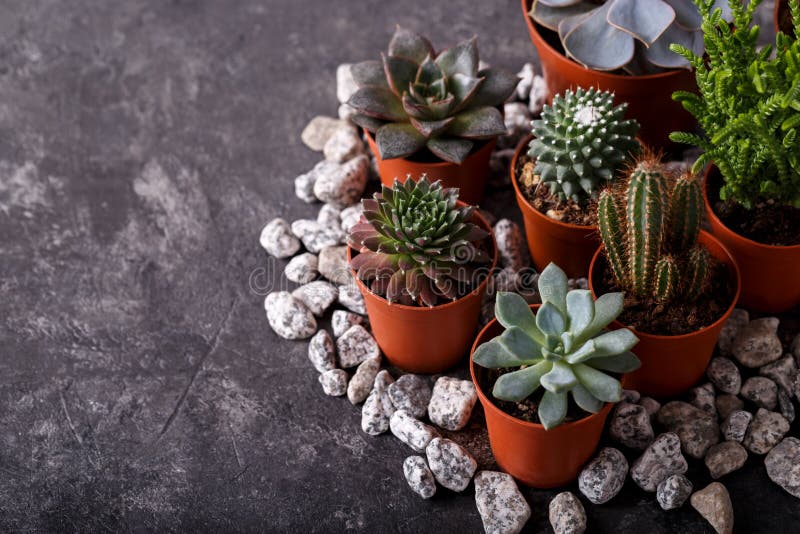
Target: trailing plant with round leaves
415,98
416,244
581,141
562,348
633,35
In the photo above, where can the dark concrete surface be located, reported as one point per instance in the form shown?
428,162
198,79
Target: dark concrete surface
143,145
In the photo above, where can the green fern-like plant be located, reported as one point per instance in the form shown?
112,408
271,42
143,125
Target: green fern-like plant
748,106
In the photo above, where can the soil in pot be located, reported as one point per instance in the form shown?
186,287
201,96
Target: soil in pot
539,196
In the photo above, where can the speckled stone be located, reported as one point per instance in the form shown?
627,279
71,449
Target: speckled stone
341,320
302,269
673,492
451,464
378,409
501,505
355,346
317,296
734,426
345,83
650,405
765,431
411,431
289,317
727,404
697,430
603,477
315,236
361,384
714,504
333,265
785,405
346,111
510,244
629,395
566,514
451,402
343,145
525,76
702,398
319,130
660,460
304,187
538,95
758,343
350,215
328,215
350,297
761,391
738,320
783,372
343,185
419,476
321,351
724,374
724,458
334,382
411,393
630,426
277,239
517,118
783,465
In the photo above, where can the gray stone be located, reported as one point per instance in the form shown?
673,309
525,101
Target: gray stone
342,320
630,426
333,265
451,464
758,343
343,185
727,404
411,431
277,239
329,215
419,477
319,130
315,236
702,397
724,458
505,279
334,382
660,460
411,393
785,405
302,269
343,145
738,320
714,504
724,374
650,405
525,76
761,391
501,505
350,215
346,111
783,372
517,119
673,492
361,384
603,477
566,514
350,297
289,317
451,402
538,95
697,430
765,431
317,296
345,83
321,352
734,427
628,395
355,346
304,187
783,465
510,245
377,410
794,348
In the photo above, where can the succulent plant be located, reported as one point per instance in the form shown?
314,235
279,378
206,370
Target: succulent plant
416,244
415,99
562,348
649,230
635,34
581,141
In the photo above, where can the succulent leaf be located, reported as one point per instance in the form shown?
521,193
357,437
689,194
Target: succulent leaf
581,42
377,102
585,400
451,149
369,72
519,385
619,363
399,72
461,58
397,140
645,20
408,44
553,286
552,409
478,123
599,384
497,86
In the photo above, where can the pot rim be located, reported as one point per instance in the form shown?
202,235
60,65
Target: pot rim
437,164
660,337
526,7
717,220
478,289
485,401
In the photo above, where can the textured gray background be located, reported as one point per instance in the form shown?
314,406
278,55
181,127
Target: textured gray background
143,145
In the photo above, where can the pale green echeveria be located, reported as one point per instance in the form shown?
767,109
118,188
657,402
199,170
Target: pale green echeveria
563,348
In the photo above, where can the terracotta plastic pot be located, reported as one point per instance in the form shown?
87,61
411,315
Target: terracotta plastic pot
535,456
421,339
469,177
770,273
649,97
673,364
782,14
569,246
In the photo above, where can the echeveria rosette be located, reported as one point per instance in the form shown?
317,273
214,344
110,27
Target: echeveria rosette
416,244
563,348
415,99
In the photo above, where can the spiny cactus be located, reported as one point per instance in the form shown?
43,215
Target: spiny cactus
415,244
654,252
581,141
563,348
415,98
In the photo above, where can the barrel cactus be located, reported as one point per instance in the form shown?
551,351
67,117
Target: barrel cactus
415,99
563,348
416,244
649,230
581,141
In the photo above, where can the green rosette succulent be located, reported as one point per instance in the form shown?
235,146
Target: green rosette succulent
415,98
563,348
417,245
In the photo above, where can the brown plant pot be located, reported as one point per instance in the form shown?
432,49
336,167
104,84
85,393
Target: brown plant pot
419,339
469,177
649,97
783,17
569,246
673,364
770,273
535,456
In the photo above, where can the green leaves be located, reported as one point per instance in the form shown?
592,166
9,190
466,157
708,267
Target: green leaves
552,409
553,287
480,123
398,140
378,102
518,385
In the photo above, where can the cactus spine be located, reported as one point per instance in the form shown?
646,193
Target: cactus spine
645,219
686,213
666,279
611,233
696,273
